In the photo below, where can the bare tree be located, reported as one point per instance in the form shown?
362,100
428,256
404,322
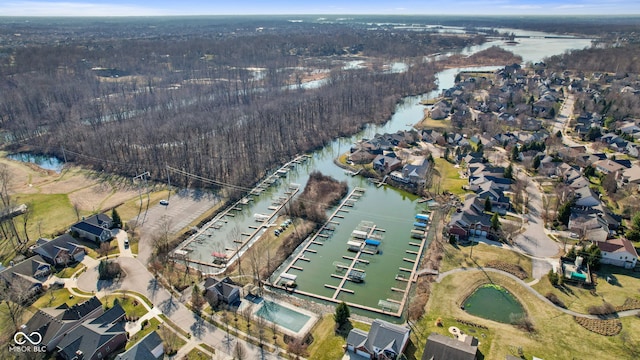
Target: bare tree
239,352
15,295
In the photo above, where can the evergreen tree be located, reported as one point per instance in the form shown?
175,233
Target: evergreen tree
115,218
515,152
508,172
633,233
495,222
536,162
341,317
564,212
487,204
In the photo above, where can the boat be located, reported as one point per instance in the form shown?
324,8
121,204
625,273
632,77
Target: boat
356,275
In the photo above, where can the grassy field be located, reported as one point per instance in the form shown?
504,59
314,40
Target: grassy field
429,123
447,177
557,335
196,354
69,195
455,257
627,286
327,345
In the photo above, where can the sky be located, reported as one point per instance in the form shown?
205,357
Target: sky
299,7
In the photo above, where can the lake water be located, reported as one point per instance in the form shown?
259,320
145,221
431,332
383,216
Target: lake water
388,208
44,161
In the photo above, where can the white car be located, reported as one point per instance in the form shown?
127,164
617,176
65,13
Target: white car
164,202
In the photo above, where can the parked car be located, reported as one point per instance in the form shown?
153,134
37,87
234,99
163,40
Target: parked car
126,243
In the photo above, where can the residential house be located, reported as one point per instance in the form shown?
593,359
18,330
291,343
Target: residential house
633,150
54,323
629,177
386,163
95,228
608,166
413,174
384,341
95,338
590,224
31,272
618,252
492,191
149,348
440,347
585,197
60,251
225,291
469,220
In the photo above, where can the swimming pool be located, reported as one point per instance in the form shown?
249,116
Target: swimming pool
282,316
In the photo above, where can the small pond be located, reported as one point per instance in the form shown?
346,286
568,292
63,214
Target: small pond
43,161
494,303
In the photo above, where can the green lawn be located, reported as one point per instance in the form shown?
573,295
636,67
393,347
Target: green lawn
327,344
196,354
54,298
557,335
152,325
455,257
69,270
130,305
579,299
446,176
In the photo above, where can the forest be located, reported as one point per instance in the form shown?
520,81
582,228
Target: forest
222,98
228,103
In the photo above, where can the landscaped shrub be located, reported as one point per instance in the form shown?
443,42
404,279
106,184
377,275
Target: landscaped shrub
608,327
604,309
555,300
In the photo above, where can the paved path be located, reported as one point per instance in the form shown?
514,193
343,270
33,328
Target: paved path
532,291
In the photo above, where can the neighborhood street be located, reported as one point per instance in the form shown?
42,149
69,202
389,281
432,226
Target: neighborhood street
181,210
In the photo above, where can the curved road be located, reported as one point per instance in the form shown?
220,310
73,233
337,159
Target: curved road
140,280
533,291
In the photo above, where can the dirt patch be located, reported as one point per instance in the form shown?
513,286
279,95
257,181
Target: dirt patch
102,195
629,304
24,178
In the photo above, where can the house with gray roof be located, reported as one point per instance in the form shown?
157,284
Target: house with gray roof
225,290
149,348
55,322
33,271
95,338
383,341
62,250
95,228
440,347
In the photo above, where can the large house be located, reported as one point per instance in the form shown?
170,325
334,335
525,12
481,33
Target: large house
60,251
54,323
440,347
618,252
469,221
384,341
225,291
96,338
95,228
31,272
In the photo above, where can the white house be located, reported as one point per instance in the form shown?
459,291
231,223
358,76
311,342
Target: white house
618,252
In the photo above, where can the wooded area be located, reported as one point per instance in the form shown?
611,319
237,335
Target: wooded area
228,103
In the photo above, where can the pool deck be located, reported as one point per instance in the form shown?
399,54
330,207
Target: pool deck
409,280
306,328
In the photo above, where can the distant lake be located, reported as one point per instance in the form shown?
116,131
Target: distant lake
44,161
